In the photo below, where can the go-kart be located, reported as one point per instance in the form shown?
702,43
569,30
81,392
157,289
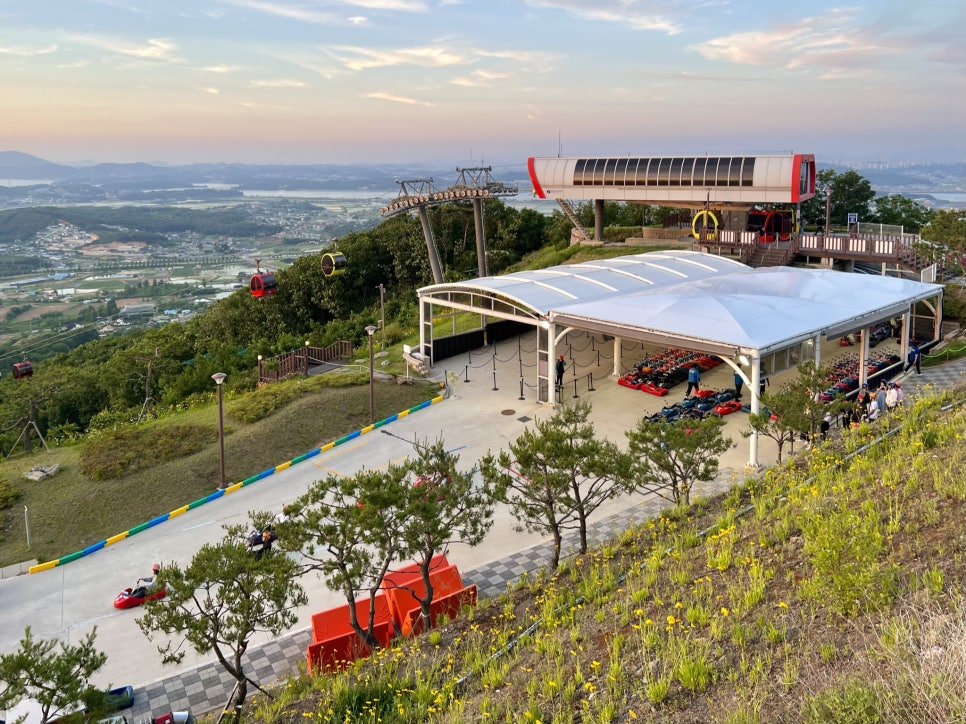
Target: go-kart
137,595
653,389
727,407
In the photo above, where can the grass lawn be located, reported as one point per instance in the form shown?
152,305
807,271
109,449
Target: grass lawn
69,511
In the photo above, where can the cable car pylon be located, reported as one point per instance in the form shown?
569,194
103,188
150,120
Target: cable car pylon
474,184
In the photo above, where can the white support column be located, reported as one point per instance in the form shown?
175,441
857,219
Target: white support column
906,336
617,356
755,408
818,350
864,356
546,354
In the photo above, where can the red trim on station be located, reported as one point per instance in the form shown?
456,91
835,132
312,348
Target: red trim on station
537,188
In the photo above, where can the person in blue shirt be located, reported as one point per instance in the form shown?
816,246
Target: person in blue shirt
694,380
915,357
739,383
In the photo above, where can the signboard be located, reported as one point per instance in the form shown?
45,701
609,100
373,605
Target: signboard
853,218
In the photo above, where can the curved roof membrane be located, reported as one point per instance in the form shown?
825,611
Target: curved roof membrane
699,300
544,290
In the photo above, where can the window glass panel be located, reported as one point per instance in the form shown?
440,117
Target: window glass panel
620,171
698,177
580,171
599,172
686,170
748,171
651,174
674,174
663,172
610,170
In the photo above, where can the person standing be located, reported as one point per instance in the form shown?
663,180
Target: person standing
762,384
825,425
915,358
694,380
739,383
892,396
561,366
881,396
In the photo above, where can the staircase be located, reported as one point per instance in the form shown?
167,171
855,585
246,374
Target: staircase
580,233
775,254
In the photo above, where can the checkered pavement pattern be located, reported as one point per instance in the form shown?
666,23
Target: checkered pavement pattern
206,688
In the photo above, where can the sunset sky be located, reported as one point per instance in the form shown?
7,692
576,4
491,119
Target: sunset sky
481,81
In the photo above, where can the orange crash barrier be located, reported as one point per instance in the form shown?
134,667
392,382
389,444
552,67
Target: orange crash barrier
334,643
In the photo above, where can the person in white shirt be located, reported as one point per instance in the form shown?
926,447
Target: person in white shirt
892,396
872,412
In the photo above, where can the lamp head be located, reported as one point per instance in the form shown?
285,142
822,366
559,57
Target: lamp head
219,377
370,330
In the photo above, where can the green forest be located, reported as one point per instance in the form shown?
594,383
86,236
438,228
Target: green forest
82,383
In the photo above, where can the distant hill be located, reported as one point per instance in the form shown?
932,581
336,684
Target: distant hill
22,166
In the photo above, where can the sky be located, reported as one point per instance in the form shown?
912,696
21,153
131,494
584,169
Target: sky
472,82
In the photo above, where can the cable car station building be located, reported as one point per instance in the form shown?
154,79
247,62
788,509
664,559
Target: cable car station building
758,321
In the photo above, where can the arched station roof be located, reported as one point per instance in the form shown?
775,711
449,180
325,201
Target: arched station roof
692,299
537,293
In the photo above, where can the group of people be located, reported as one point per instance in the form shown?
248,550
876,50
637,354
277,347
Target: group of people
869,405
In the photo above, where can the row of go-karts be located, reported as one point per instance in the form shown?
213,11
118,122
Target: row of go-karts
701,405
845,374
658,373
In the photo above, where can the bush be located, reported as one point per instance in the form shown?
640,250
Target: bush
120,452
852,703
8,494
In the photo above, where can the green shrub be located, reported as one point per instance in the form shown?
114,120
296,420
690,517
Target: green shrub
259,404
120,452
8,494
851,703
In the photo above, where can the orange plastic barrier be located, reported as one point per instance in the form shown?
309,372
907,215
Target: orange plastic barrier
335,645
404,593
450,605
334,622
337,652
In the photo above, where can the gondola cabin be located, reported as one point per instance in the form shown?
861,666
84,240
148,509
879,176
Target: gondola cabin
771,225
333,264
22,370
263,284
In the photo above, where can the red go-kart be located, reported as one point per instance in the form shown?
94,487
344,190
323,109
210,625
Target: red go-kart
134,597
726,408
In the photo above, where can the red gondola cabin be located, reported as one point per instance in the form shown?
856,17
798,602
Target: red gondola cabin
22,370
263,284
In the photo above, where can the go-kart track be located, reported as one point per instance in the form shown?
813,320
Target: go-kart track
71,599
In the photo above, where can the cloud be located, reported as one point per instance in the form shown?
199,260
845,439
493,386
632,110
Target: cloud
210,91
222,68
358,58
292,11
406,6
397,99
480,79
24,52
835,45
154,49
278,83
635,14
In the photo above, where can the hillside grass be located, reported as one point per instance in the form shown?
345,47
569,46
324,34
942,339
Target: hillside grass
72,510
829,589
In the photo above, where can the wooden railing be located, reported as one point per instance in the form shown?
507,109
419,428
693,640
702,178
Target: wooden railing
899,249
300,362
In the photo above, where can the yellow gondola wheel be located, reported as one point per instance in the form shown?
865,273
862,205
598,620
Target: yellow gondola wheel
701,219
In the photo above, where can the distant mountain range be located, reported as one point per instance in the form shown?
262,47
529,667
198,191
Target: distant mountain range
24,167
21,167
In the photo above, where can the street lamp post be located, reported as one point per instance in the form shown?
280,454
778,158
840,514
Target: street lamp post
828,207
371,330
219,378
